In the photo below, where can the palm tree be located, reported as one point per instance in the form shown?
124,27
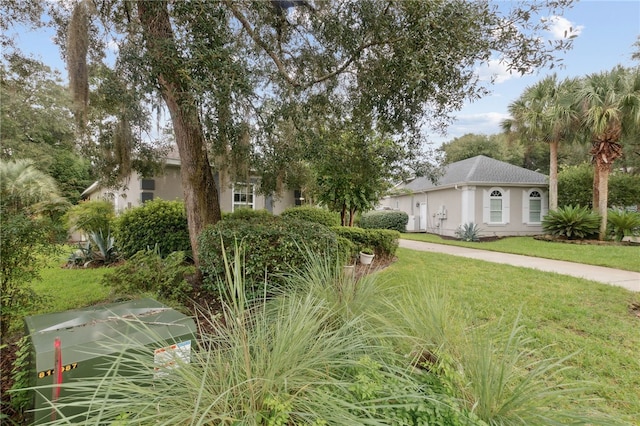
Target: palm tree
545,111
610,104
23,186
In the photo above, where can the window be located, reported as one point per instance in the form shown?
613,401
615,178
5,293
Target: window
495,206
146,196
535,206
148,184
243,195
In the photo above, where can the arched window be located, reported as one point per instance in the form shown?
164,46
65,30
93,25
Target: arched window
495,206
535,207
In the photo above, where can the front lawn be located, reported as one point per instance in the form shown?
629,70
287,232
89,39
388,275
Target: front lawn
625,257
565,315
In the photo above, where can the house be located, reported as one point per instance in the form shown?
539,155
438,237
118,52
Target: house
167,186
500,198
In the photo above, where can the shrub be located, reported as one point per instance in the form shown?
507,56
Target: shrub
622,222
383,241
468,232
572,222
157,223
385,219
24,244
313,214
147,271
272,246
90,216
248,214
575,187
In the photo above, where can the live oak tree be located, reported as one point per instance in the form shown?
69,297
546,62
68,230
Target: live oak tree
221,67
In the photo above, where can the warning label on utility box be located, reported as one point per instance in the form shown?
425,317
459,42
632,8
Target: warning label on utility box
171,357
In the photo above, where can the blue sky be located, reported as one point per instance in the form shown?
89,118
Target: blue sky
606,33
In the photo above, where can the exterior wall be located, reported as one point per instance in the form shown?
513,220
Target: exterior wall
442,211
517,222
282,202
168,187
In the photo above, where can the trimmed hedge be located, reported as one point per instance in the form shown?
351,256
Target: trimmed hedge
272,246
246,214
313,214
157,222
384,242
385,219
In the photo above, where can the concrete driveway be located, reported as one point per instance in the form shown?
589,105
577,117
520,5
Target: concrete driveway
626,279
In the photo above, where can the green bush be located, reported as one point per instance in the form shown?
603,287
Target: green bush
90,216
572,222
313,214
23,252
245,213
157,223
385,219
271,246
383,241
622,222
147,271
575,187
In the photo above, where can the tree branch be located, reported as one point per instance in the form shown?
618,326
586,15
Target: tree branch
247,26
280,65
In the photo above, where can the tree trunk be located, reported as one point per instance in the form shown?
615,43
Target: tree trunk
553,175
200,192
595,200
352,215
603,170
343,215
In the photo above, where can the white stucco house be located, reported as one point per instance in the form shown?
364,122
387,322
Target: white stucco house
502,199
167,186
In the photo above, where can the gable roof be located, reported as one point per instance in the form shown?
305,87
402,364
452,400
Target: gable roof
480,170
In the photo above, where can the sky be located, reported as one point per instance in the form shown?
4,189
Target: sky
606,31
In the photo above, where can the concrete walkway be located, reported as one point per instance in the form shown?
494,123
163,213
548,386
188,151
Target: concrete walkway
627,279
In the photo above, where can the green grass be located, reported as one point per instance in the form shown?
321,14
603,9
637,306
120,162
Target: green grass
611,256
564,315
66,289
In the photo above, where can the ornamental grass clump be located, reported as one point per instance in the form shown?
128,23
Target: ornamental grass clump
332,352
572,222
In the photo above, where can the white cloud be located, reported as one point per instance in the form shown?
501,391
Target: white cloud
560,27
494,70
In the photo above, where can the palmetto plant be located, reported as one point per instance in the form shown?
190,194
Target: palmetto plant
571,222
22,185
623,223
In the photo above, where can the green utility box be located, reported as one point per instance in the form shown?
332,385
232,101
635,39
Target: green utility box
79,344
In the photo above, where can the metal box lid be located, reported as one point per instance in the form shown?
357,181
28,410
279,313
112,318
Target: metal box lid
86,333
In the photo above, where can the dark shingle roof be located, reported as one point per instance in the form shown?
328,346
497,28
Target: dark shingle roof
480,170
